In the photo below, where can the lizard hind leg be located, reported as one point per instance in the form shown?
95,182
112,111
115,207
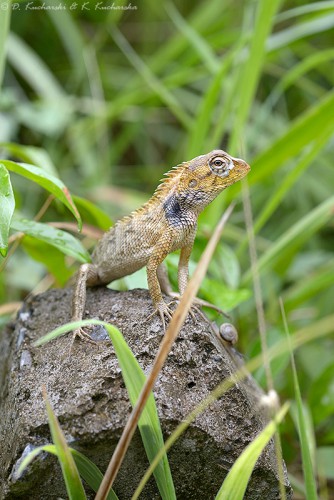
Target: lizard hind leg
87,275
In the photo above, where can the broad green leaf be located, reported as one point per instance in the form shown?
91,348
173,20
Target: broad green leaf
235,483
52,258
31,154
7,206
94,214
87,469
149,425
65,242
70,472
47,181
222,296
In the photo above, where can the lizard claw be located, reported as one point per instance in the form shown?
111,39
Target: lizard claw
82,335
162,310
197,303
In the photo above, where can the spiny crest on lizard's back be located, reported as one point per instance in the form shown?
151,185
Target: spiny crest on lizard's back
165,186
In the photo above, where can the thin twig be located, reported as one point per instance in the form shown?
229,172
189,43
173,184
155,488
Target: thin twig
175,325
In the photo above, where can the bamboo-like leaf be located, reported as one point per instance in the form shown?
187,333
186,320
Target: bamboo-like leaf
7,206
55,237
70,472
47,181
235,484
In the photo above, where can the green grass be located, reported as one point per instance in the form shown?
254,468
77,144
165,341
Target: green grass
101,101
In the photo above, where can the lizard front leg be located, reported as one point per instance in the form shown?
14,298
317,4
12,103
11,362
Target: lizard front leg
183,276
87,275
154,269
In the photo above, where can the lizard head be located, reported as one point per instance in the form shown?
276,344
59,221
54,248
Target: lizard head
206,176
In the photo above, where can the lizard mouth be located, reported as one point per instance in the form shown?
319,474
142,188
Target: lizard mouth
241,164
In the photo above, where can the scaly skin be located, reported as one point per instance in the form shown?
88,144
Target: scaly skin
167,222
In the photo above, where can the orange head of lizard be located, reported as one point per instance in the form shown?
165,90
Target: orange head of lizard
204,177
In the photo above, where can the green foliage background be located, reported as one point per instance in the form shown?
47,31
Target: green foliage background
113,98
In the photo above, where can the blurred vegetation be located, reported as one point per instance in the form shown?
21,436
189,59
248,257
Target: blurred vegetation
109,100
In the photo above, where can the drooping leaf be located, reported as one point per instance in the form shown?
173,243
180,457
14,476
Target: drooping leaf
47,181
93,213
55,237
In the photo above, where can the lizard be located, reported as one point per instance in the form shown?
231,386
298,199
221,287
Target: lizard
165,223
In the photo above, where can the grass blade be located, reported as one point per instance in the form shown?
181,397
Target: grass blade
47,181
33,69
149,425
62,240
298,135
235,484
197,42
7,206
250,73
71,476
165,95
203,119
4,29
87,469
310,484
295,236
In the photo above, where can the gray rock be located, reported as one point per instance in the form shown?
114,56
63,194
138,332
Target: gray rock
87,392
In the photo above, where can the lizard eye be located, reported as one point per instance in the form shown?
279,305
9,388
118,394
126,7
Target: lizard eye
220,166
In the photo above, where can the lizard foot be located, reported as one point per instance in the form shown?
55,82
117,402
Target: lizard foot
162,309
197,303
82,335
